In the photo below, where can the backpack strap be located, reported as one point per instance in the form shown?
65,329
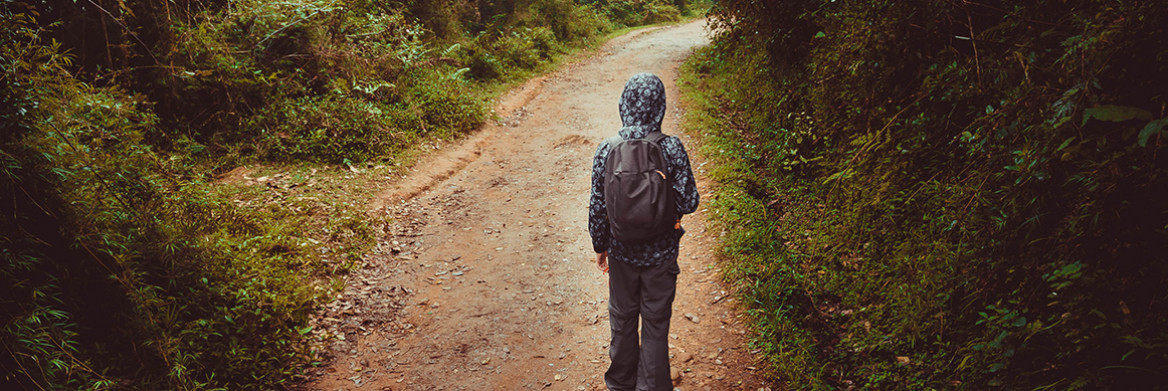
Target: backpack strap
655,137
613,141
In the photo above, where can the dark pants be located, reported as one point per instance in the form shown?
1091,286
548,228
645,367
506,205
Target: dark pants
646,293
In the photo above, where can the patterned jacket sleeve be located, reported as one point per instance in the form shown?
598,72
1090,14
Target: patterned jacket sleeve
682,175
597,210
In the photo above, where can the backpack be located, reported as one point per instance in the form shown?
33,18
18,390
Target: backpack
637,193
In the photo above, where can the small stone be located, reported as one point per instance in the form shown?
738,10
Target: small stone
684,357
675,375
559,377
691,317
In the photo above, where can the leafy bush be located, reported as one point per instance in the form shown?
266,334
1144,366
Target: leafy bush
639,12
943,195
659,12
121,271
259,64
569,21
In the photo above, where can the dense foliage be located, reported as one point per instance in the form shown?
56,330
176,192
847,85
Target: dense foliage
944,194
124,266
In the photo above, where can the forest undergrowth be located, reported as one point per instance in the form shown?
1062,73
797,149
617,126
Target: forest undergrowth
943,194
137,256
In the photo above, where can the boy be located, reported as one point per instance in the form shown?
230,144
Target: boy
642,274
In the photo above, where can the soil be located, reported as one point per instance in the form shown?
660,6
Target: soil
487,278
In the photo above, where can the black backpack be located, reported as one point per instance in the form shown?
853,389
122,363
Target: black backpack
637,192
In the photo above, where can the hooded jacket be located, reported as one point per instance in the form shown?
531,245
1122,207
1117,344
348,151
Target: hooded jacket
642,107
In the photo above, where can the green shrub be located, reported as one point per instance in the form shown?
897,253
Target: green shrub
640,12
121,272
569,21
446,104
332,128
656,12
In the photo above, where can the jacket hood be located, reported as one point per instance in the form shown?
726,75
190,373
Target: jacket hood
642,106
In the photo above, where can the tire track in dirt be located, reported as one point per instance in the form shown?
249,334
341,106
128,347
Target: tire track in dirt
485,279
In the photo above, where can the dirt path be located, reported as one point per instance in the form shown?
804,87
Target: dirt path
486,280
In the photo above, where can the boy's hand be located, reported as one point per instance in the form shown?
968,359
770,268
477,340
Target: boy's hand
602,261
